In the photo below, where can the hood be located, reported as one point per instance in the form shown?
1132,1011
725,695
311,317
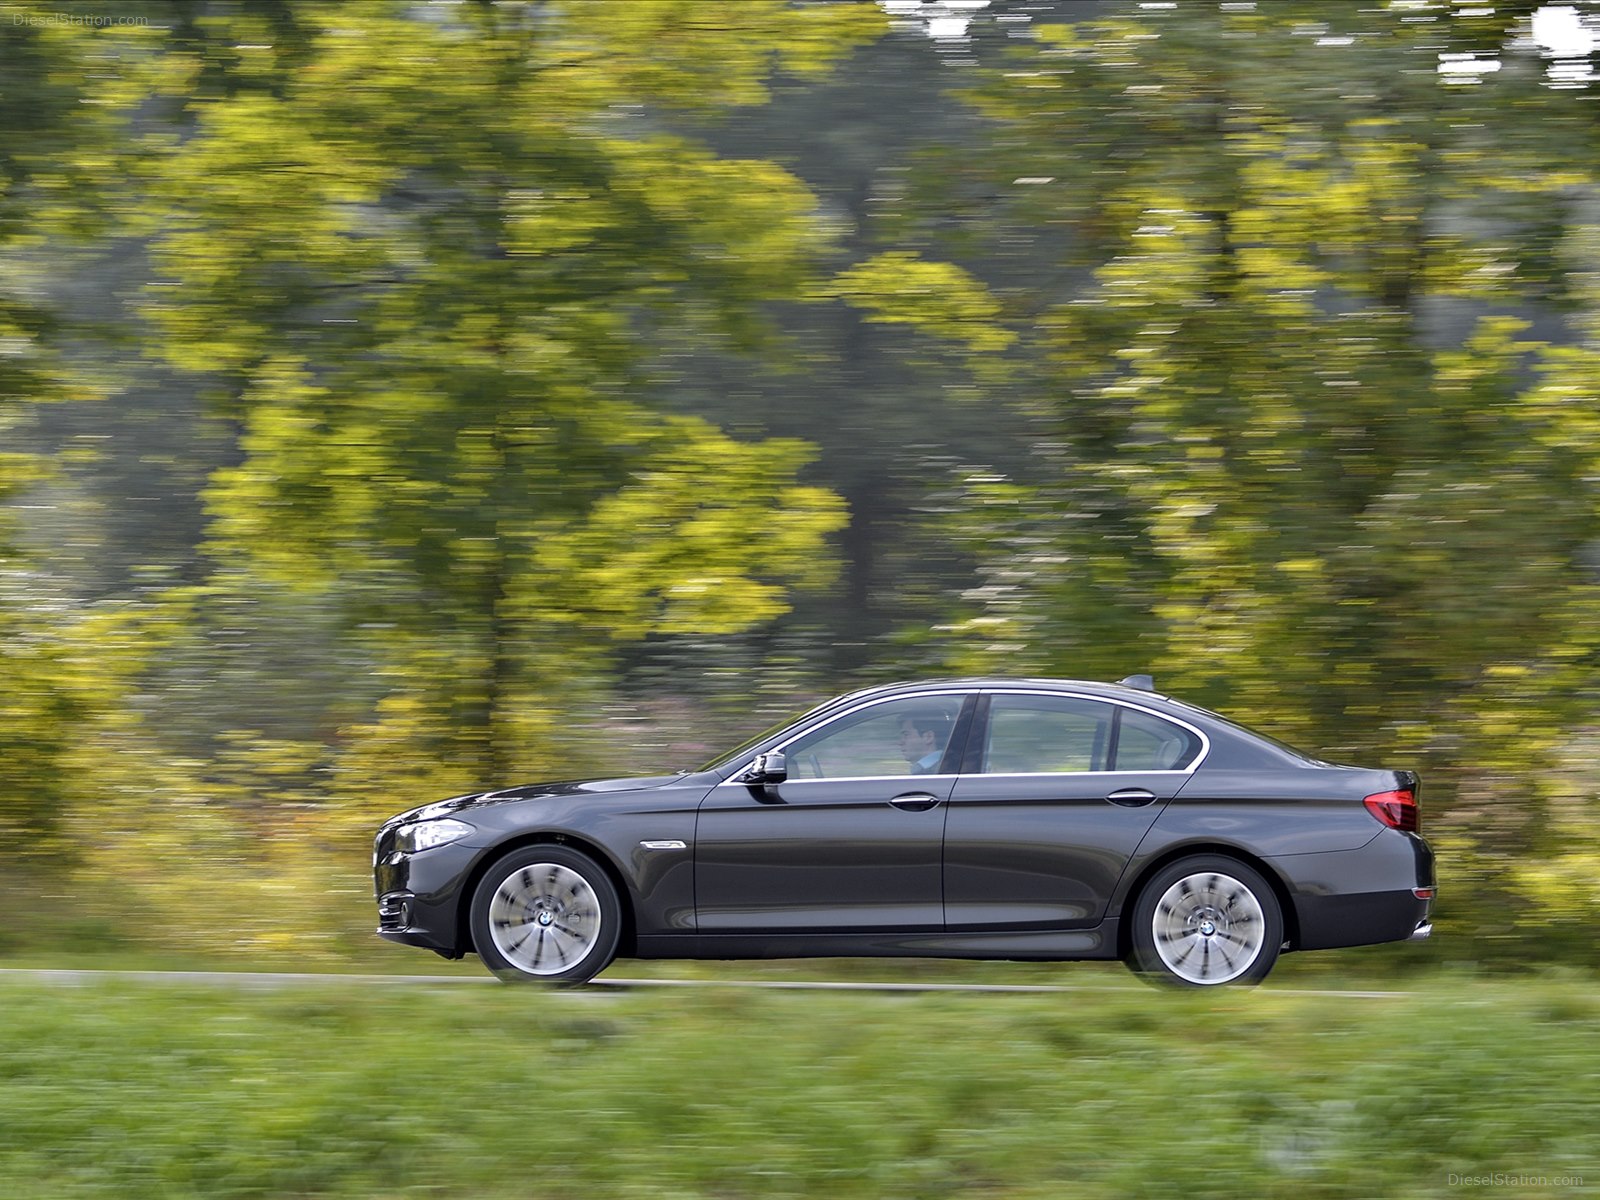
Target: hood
529,791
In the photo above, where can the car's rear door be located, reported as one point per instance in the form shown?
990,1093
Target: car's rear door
850,842
1055,793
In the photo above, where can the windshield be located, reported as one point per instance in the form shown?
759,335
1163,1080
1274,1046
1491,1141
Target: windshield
744,747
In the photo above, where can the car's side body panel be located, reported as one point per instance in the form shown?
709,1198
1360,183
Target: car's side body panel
1055,945
1346,880
1290,809
1358,897
1044,851
616,822
1028,849
821,855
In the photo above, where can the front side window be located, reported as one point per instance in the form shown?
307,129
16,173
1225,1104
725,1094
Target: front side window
1053,735
899,737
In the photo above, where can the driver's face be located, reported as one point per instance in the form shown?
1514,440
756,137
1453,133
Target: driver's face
914,745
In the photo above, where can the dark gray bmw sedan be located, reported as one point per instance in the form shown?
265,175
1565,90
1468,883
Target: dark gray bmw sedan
1036,819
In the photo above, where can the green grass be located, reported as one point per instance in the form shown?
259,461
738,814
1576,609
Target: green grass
130,1090
1363,968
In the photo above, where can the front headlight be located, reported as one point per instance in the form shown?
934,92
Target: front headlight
425,835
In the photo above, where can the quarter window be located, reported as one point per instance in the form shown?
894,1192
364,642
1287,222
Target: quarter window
1147,743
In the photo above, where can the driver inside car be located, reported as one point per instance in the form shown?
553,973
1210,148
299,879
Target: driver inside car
923,735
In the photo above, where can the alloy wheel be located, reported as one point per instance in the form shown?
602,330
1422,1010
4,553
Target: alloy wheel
544,918
1208,928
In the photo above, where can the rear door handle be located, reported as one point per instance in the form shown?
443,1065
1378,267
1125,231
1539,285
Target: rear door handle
914,802
1131,797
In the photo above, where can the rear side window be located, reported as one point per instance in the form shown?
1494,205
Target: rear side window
1037,735
1031,735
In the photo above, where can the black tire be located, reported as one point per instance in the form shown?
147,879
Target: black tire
1206,921
546,914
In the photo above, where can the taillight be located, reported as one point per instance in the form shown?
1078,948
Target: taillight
1397,810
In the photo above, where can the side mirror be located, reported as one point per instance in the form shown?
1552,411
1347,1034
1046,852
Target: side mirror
767,768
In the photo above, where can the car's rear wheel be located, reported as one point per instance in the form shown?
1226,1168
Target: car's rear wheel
546,914
1205,921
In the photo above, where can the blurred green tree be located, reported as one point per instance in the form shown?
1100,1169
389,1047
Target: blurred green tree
64,661
1252,345
888,410
423,254
1299,454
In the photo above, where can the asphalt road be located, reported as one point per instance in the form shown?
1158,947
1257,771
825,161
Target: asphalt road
281,979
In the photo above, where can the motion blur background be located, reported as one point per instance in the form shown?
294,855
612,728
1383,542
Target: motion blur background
405,398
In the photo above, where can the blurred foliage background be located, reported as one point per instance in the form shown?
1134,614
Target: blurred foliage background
405,397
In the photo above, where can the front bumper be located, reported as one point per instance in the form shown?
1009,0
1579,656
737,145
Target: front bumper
422,896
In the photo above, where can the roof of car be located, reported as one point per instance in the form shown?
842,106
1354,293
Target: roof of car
908,687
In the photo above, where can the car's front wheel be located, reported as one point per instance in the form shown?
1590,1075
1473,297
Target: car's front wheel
1204,921
546,914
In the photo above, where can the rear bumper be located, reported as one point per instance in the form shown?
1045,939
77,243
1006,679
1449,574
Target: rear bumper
1361,897
1364,919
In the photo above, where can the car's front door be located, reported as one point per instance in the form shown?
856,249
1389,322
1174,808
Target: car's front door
1055,795
851,841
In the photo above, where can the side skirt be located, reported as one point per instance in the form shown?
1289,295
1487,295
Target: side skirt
1035,946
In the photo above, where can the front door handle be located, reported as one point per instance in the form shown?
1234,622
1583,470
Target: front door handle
914,802
1131,797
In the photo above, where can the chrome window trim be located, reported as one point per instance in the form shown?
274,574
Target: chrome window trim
980,690
1036,775
862,779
